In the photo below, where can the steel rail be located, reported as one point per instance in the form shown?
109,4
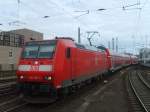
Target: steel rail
8,84
136,93
8,88
144,81
15,107
12,104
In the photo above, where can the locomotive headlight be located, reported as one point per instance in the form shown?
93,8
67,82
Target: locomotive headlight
21,77
48,78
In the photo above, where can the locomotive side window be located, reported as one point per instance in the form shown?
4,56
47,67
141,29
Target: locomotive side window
68,52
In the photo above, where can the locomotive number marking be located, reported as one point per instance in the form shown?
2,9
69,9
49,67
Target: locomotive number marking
35,68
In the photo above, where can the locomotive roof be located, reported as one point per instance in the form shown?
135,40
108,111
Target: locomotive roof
101,47
78,45
41,42
68,38
81,46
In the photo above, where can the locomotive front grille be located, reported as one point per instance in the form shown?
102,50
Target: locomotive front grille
35,89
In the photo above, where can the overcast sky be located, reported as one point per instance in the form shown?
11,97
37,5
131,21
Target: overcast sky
130,24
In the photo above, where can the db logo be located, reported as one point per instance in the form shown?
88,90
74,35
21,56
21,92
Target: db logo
35,68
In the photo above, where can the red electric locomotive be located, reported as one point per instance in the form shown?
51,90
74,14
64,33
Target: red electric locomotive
49,66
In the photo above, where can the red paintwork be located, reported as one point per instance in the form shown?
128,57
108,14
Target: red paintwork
83,62
33,75
116,61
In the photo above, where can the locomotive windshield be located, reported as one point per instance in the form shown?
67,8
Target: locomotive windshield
39,50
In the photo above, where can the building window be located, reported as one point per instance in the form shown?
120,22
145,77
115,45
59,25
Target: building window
0,67
12,66
10,54
1,37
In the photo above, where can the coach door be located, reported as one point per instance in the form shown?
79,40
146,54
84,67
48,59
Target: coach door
70,54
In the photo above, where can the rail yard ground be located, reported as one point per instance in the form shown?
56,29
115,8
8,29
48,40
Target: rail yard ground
107,95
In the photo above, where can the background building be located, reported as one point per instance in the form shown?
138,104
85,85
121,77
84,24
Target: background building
29,35
11,43
144,55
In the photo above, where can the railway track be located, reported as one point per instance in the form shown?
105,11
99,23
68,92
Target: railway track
11,105
7,82
146,76
139,92
8,79
7,88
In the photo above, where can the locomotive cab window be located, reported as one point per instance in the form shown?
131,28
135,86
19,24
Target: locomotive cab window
30,52
46,51
39,50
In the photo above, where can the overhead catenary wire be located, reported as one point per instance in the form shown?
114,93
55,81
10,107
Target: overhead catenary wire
65,11
136,32
68,13
47,16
